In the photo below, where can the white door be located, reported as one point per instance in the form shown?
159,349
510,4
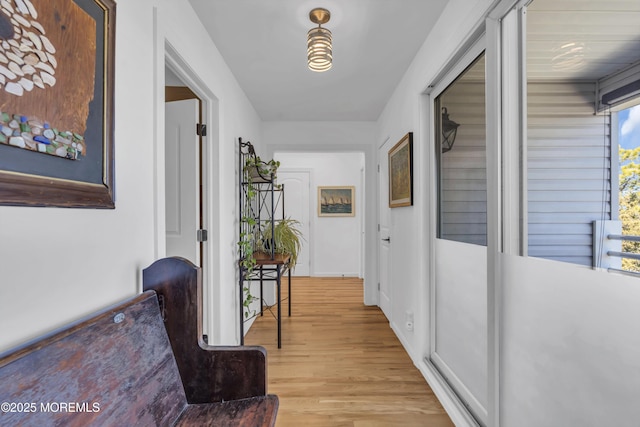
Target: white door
182,179
296,206
384,234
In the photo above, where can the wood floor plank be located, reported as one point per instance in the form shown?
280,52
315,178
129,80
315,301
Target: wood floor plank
340,363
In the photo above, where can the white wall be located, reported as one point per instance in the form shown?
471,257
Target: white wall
335,242
57,265
335,137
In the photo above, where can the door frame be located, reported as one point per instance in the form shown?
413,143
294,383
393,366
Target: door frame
476,46
210,259
383,204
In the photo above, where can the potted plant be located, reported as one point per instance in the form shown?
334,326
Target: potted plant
284,237
257,170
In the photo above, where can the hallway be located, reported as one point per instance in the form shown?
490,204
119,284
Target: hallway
340,363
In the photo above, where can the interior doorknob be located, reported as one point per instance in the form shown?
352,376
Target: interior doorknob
388,239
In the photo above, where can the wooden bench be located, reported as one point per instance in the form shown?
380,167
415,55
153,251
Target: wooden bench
117,368
209,373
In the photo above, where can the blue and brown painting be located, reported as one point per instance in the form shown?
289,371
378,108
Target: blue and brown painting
337,201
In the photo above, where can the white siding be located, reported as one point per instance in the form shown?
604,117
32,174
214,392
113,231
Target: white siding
463,203
569,170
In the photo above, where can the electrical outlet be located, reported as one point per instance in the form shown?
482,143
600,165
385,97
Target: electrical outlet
408,320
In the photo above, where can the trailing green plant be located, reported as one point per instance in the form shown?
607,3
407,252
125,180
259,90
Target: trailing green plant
247,264
285,237
254,168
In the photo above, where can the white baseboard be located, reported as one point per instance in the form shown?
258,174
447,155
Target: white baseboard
458,413
454,407
338,275
248,325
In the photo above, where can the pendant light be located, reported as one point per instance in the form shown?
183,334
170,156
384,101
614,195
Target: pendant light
319,54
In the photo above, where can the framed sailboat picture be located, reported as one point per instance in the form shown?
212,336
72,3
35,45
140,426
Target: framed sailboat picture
336,201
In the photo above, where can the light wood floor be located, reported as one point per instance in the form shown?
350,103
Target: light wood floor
340,363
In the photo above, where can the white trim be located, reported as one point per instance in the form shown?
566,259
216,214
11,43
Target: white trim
337,275
458,63
456,410
379,205
493,100
506,171
615,163
622,78
501,8
160,247
471,53
166,55
426,226
457,384
432,226
508,37
472,50
363,228
523,158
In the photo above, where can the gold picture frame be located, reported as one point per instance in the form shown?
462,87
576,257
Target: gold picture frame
336,201
401,173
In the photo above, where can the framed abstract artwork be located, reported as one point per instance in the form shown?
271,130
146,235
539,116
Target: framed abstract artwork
336,201
401,173
56,103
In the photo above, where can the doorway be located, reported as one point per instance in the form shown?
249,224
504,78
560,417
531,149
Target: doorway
185,231
334,242
182,180
458,294
296,206
384,231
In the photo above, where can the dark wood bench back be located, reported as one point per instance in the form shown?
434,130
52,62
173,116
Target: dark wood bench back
115,369
209,373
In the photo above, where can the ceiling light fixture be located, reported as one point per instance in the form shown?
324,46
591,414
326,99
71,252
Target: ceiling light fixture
571,56
319,54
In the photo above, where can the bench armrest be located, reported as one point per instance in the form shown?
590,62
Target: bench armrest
220,373
209,373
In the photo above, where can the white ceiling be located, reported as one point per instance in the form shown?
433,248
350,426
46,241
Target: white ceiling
264,43
374,41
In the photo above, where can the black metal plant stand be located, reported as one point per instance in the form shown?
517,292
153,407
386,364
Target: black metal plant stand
261,204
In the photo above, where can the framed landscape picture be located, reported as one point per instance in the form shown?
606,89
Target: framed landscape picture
336,201
401,173
56,103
